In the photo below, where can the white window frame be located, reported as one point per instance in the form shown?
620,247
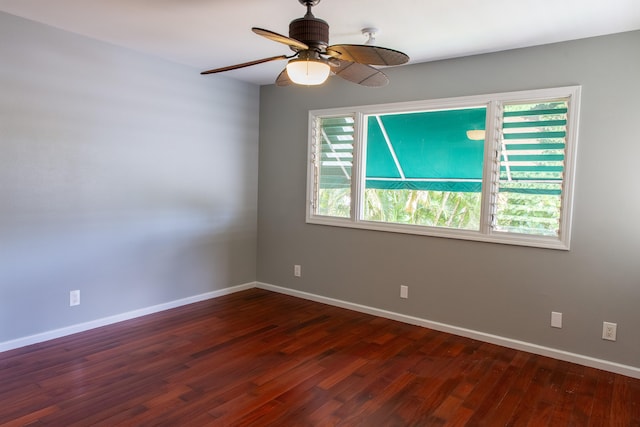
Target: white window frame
493,102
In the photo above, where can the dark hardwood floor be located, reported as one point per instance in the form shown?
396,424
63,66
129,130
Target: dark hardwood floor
259,358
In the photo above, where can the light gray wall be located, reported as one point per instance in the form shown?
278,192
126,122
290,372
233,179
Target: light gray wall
504,290
129,178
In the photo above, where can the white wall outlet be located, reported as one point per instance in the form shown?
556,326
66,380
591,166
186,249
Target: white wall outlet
74,298
404,291
556,319
297,271
609,331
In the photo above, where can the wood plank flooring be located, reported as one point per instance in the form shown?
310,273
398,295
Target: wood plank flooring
257,358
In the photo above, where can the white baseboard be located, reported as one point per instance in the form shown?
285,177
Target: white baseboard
81,327
605,365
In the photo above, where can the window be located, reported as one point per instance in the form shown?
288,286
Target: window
495,168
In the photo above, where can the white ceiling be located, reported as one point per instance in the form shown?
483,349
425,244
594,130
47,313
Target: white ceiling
214,33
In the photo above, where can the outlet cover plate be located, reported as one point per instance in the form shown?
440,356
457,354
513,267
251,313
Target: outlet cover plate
609,331
74,298
404,291
556,319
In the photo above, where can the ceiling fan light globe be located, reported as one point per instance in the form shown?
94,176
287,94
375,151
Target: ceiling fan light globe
308,72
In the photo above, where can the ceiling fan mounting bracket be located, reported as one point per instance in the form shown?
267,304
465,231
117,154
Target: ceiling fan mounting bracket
370,33
309,2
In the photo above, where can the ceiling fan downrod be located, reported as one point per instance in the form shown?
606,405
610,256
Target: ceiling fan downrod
309,4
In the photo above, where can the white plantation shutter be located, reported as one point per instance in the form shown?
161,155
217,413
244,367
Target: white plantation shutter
333,163
532,164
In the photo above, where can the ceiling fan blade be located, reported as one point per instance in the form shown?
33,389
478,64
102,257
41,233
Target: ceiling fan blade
292,43
360,73
283,79
367,54
245,64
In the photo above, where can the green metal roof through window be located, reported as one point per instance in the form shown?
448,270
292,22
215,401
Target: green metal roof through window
426,150
443,150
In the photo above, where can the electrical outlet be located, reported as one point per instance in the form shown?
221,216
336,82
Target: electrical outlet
297,271
404,291
74,298
556,319
609,331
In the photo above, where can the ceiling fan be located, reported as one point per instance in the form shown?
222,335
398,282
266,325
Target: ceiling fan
314,60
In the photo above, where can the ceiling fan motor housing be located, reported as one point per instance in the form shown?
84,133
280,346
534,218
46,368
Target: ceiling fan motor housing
310,30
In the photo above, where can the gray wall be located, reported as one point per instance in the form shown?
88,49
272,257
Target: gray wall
135,181
129,178
504,290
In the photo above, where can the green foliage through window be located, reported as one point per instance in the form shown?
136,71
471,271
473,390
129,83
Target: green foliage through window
418,207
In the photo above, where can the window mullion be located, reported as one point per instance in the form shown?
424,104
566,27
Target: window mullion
492,166
358,178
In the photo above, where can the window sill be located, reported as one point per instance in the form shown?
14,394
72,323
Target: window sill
450,233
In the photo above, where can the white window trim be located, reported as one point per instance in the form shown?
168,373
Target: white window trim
485,233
